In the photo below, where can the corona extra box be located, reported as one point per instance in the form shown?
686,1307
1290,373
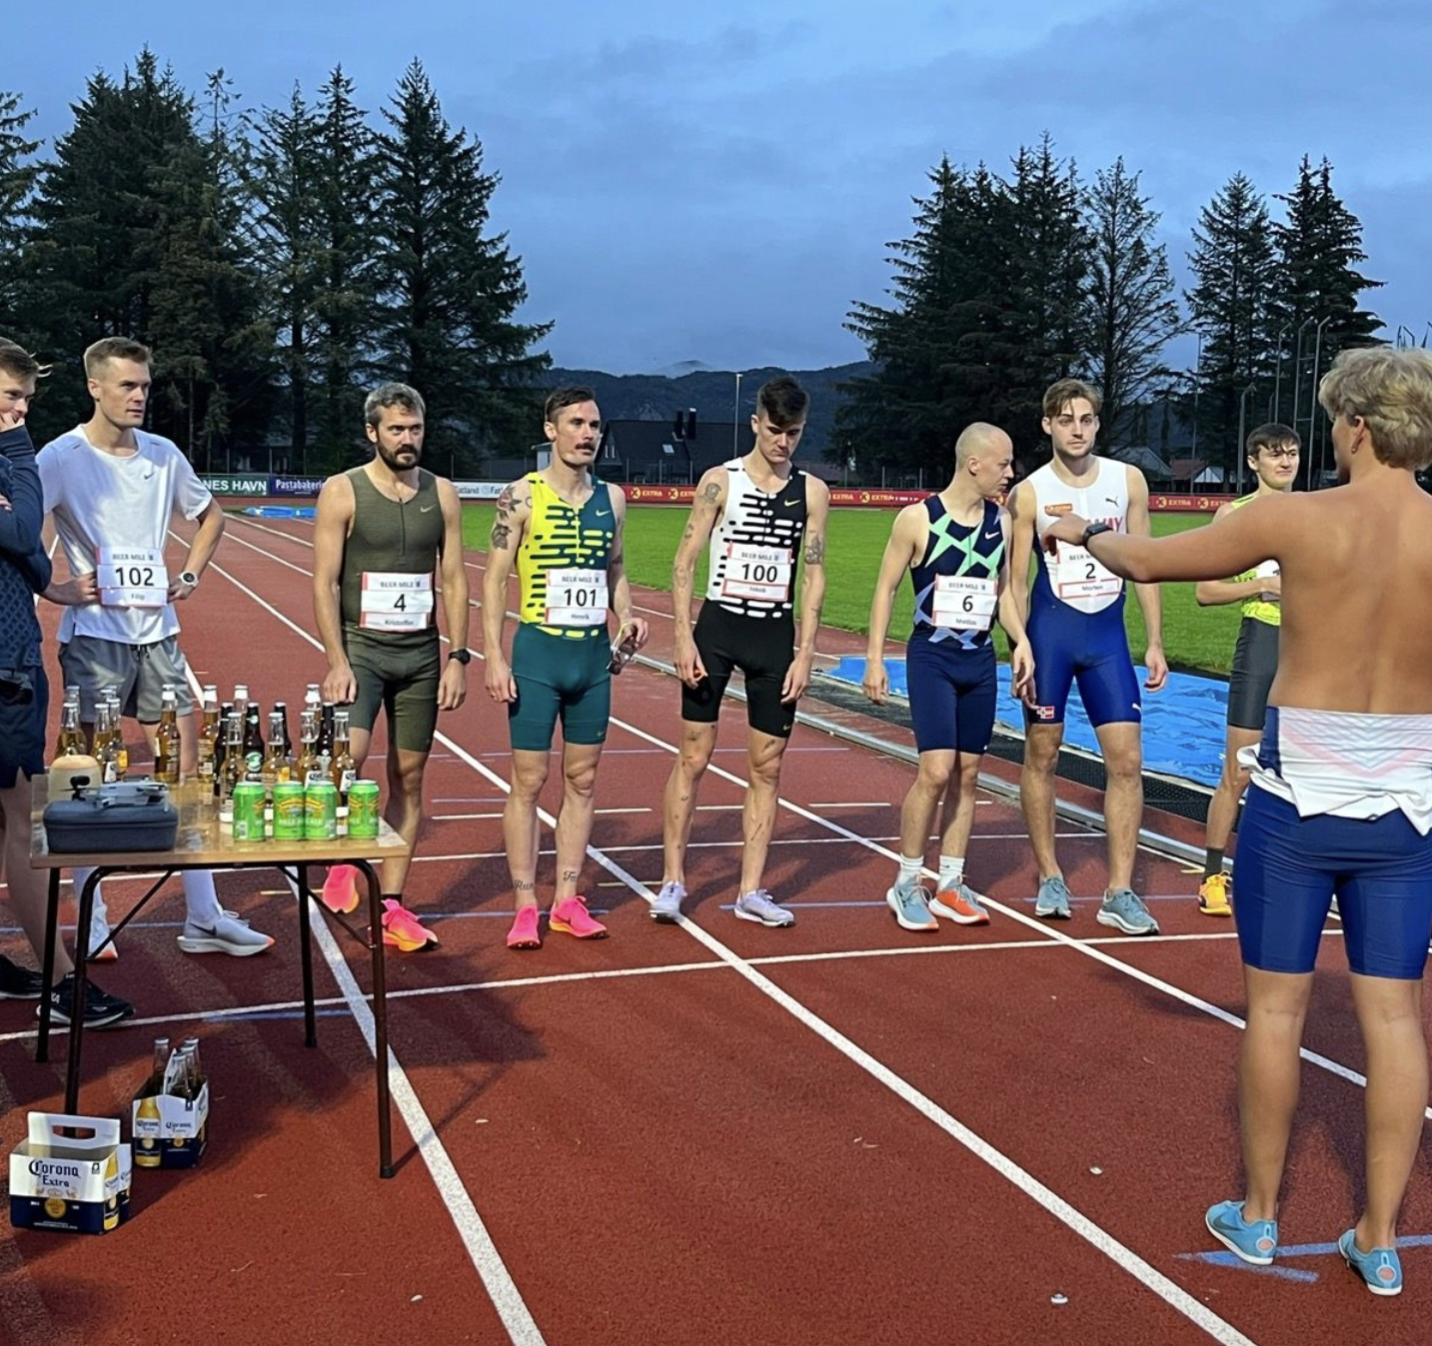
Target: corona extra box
174,1127
71,1175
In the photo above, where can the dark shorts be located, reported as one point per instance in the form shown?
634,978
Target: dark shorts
1288,869
140,672
952,694
24,706
1255,664
763,648
559,677
1090,649
402,677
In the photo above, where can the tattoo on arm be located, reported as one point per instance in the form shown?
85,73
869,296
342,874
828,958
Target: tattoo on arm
711,492
501,534
815,550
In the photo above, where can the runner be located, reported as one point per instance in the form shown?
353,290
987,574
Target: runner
1076,630
758,512
112,490
1273,456
381,532
24,698
954,546
563,531
1341,803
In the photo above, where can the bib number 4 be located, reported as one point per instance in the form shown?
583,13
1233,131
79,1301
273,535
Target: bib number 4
395,601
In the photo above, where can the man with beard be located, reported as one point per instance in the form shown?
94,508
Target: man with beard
562,530
381,532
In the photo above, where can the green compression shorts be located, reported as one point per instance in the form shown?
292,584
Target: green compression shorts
401,676
558,677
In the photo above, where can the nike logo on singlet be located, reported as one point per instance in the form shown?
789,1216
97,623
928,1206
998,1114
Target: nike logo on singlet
426,509
994,534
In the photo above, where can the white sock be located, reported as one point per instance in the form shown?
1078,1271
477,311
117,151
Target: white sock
952,870
909,874
77,878
200,897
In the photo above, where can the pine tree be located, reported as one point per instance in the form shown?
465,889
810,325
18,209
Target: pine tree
1319,247
18,173
447,289
1132,312
1233,307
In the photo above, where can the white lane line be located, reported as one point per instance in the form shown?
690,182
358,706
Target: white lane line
521,1328
460,817
632,810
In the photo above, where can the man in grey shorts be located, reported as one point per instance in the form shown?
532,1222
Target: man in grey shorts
112,490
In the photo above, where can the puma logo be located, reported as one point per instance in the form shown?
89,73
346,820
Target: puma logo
1112,499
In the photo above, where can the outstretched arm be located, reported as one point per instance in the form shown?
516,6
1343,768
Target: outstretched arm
1149,595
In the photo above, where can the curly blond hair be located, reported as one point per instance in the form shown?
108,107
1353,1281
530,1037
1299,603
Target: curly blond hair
1391,390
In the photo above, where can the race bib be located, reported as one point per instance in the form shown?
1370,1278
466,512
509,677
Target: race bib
395,601
576,598
1079,575
762,573
964,602
1266,571
132,577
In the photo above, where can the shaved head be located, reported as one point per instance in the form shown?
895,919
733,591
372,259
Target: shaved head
978,439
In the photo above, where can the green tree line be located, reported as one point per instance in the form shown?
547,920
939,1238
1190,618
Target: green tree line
278,261
1010,282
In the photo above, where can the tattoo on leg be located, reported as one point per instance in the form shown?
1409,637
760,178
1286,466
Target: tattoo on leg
569,876
522,886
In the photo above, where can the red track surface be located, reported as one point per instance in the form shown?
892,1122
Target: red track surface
837,1132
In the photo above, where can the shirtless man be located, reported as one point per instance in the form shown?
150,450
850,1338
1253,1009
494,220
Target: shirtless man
1341,803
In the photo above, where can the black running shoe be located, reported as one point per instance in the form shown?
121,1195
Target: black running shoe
19,983
100,1010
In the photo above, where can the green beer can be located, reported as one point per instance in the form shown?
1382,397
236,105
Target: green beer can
249,811
288,811
363,809
320,811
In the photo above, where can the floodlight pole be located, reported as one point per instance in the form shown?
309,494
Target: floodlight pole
1312,423
1278,377
736,420
1298,371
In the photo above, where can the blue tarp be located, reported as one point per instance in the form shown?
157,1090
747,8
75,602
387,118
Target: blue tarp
281,511
1184,724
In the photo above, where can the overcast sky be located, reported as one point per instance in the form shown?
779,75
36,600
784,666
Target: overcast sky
718,184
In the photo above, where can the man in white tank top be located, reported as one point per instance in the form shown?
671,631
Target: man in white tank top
1075,620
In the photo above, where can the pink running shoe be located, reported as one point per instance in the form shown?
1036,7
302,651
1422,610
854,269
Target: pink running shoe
523,934
340,889
403,930
571,918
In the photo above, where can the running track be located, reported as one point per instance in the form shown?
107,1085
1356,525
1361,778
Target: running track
837,1132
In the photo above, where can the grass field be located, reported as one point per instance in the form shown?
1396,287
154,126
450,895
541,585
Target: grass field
1196,639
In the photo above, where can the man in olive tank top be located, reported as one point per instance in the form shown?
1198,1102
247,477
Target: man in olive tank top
382,533
1273,452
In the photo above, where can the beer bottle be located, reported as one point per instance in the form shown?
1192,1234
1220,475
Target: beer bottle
166,738
313,698
276,764
116,719
146,1148
281,707
155,1083
191,1045
107,744
72,737
208,744
221,747
324,746
233,754
308,771
241,700
342,769
253,745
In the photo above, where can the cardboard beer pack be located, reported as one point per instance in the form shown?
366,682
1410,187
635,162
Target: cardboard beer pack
170,1128
71,1175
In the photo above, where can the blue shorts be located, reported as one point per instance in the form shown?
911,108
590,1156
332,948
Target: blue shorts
24,705
1288,868
1088,648
952,694
559,678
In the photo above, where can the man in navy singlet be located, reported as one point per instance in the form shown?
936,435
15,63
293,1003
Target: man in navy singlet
955,548
1076,628
760,514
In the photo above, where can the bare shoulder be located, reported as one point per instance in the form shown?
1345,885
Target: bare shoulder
515,497
1019,504
711,489
448,497
335,497
816,491
617,497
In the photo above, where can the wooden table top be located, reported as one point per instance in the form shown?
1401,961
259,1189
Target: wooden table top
200,842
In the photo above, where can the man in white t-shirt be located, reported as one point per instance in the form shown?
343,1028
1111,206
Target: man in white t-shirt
111,489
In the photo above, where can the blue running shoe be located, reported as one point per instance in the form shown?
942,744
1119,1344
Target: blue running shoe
761,907
1380,1269
1124,909
910,906
1254,1241
1053,898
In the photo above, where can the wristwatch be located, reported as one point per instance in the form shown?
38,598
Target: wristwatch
1092,531
462,656
190,578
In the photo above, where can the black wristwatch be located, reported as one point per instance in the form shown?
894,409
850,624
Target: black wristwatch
1092,531
462,656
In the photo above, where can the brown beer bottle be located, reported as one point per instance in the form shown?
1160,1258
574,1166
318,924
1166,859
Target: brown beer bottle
166,738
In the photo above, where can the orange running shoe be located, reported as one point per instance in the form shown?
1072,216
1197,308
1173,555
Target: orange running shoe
340,889
524,934
402,929
1214,897
571,918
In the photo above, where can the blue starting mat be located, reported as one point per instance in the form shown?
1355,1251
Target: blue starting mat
281,511
1184,724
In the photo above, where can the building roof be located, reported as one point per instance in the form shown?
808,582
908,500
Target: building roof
1143,458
